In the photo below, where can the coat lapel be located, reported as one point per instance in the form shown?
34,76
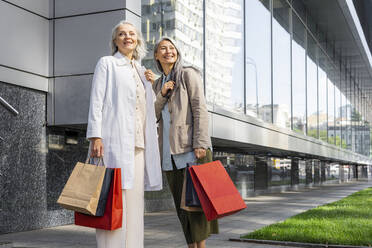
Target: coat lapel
120,59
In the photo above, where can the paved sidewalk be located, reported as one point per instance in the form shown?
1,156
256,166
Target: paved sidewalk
163,231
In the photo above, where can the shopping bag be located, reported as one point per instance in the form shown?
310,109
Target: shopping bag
191,197
109,174
183,197
112,218
82,190
217,193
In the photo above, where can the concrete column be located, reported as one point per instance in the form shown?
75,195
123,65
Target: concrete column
309,171
356,176
316,172
260,173
322,171
294,172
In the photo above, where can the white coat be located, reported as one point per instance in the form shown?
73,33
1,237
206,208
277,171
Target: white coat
112,118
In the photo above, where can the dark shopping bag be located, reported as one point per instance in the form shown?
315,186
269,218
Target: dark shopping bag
217,193
183,197
191,197
105,190
112,218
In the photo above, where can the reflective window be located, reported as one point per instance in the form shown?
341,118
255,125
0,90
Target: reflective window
348,113
159,19
298,76
312,87
322,98
331,109
333,172
302,171
343,110
281,64
338,113
357,125
258,59
299,8
280,172
240,168
154,14
225,54
354,115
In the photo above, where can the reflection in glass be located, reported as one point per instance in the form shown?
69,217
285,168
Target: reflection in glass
280,172
343,111
181,20
281,64
337,125
322,96
225,54
333,172
298,76
240,168
312,88
331,111
299,8
302,171
258,59
348,113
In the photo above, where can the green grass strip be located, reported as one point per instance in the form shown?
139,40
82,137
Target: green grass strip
344,222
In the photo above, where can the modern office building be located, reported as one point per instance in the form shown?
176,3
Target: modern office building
288,85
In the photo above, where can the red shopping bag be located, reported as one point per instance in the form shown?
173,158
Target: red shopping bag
112,218
217,193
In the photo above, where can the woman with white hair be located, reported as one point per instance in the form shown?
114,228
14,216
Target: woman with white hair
183,131
122,130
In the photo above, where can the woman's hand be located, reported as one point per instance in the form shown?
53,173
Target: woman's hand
96,150
167,87
150,76
200,152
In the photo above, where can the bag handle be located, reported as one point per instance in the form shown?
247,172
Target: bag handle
90,160
191,164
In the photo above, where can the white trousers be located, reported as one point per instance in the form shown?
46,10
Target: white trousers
131,234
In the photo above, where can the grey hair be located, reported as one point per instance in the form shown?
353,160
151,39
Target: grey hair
139,52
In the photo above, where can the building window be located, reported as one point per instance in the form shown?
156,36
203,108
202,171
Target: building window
322,96
258,59
225,54
312,87
281,64
299,76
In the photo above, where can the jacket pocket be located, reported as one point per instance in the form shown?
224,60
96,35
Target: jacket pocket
185,136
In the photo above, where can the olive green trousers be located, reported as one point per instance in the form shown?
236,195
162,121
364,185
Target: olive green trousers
195,226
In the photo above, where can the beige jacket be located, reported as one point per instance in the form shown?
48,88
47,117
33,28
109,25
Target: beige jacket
188,113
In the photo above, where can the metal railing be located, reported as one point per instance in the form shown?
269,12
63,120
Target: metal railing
9,107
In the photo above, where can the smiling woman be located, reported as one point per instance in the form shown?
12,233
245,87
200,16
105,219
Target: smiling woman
122,126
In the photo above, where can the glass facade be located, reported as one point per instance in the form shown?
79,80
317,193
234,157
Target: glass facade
281,47
298,76
322,98
258,59
280,172
224,68
267,59
312,87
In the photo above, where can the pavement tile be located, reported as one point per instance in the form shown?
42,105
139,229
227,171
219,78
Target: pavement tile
162,229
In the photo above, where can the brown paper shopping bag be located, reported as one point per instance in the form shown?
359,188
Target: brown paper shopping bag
82,190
